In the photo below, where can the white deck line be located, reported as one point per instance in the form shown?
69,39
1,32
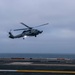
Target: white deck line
19,63
8,70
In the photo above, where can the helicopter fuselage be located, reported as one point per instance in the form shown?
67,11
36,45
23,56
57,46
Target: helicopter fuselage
32,32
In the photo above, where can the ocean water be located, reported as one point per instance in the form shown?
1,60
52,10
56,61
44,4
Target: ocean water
36,55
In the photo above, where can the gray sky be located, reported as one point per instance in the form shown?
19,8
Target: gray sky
57,37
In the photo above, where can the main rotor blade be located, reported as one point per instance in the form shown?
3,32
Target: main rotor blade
20,29
25,25
42,25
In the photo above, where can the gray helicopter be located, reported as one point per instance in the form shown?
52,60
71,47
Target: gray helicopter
29,31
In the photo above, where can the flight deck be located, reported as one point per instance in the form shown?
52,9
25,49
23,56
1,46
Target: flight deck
37,66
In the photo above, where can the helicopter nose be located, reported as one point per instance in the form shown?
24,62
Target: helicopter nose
40,32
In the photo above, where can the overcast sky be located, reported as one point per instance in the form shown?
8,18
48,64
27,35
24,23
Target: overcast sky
57,37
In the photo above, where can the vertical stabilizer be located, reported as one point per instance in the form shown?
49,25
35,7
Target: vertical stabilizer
10,35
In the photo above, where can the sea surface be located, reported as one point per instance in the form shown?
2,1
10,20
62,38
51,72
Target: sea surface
36,55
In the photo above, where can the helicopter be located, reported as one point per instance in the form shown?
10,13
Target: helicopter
28,31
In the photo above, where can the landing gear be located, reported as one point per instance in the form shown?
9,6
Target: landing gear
35,36
23,38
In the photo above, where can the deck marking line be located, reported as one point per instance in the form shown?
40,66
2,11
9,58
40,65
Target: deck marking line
47,71
39,71
8,70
